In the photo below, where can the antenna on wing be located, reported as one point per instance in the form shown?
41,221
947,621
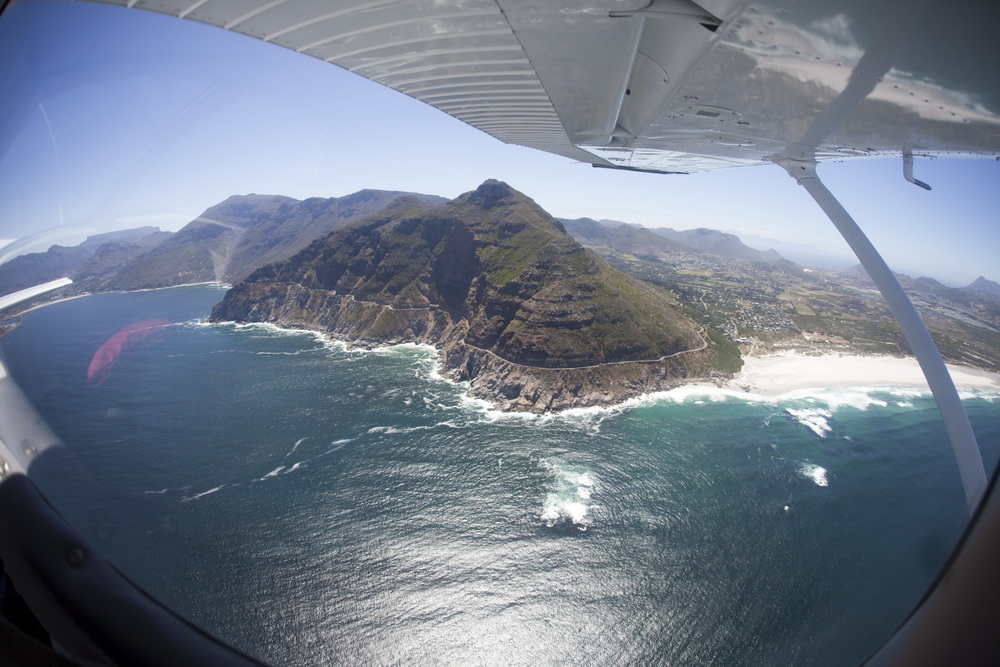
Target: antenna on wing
908,169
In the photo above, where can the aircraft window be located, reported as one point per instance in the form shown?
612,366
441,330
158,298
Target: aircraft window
311,502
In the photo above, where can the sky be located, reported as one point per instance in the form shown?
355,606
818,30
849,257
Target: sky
113,118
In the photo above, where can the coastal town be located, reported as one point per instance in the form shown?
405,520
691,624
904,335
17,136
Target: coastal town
769,307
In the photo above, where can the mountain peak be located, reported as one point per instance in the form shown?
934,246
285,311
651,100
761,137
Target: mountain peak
490,194
983,284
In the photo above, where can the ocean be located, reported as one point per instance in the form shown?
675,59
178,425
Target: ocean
313,504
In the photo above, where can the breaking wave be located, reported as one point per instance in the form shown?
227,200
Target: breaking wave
568,501
814,472
815,419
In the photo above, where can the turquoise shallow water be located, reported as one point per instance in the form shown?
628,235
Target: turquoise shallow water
312,504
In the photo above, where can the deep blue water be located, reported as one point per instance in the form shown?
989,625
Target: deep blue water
313,505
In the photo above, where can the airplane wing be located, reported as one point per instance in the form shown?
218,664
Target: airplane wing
664,85
14,298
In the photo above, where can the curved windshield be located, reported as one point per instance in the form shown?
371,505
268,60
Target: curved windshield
260,418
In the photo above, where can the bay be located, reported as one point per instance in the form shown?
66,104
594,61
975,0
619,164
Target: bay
312,504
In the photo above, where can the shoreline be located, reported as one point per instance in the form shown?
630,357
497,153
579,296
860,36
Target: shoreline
771,375
775,375
50,303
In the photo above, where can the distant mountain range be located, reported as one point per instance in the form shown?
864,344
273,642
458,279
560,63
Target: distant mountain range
637,240
224,244
230,240
926,285
235,237
112,250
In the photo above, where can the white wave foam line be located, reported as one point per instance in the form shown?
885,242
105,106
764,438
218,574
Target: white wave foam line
697,394
337,445
860,398
814,472
590,417
199,323
340,346
488,414
296,446
203,493
268,327
392,430
585,418
273,473
834,398
814,419
985,394
407,349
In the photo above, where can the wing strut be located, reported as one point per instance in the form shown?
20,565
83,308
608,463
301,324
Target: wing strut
956,421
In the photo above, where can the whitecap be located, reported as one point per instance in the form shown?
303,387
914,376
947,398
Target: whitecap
296,446
984,394
557,508
336,446
693,394
566,500
860,398
489,414
814,472
203,493
405,350
273,473
816,420
393,430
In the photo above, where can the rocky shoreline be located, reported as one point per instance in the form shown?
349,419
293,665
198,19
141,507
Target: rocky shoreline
508,385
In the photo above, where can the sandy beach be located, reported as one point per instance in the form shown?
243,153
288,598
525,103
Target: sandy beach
780,374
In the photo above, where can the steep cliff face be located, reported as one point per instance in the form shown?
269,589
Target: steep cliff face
517,307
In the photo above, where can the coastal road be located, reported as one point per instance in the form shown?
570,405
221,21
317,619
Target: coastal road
699,348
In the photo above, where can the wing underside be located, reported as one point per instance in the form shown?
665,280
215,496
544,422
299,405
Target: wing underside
668,85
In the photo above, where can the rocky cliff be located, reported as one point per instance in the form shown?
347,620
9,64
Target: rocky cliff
518,308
